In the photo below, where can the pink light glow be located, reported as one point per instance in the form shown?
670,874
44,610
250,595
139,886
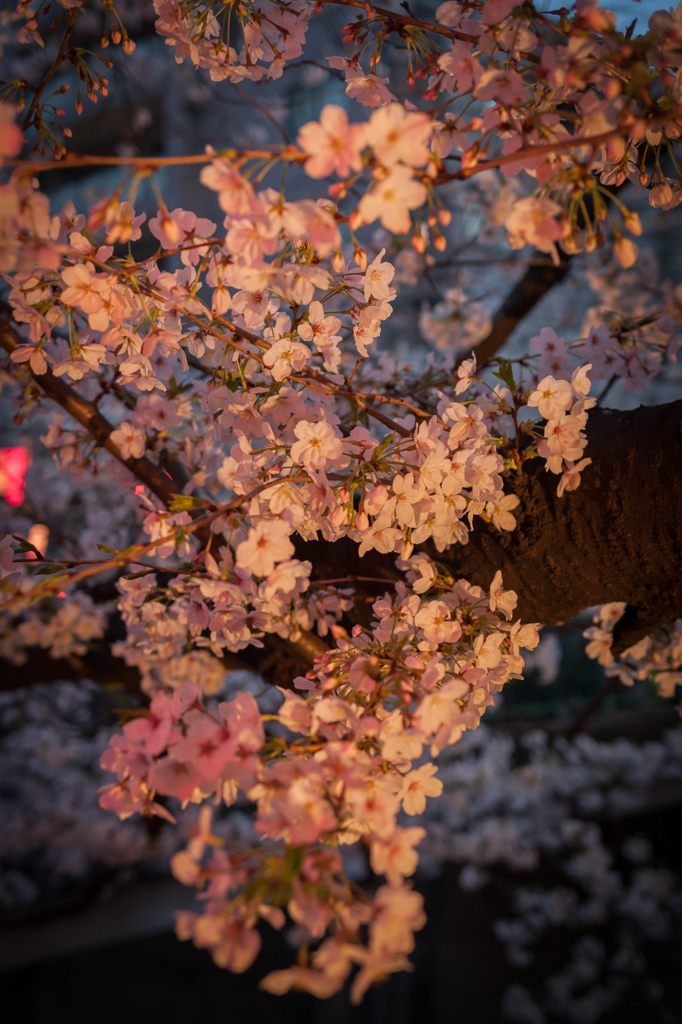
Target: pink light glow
13,466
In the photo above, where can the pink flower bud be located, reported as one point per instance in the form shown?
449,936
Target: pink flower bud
626,252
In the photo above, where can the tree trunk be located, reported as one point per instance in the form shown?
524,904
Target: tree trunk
618,537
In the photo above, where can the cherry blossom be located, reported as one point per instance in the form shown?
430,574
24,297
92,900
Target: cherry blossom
334,145
267,544
391,200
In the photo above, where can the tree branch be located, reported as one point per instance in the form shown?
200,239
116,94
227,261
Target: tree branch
618,537
301,652
524,296
29,119
87,414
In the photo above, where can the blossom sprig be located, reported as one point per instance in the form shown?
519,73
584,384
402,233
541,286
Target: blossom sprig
338,773
657,657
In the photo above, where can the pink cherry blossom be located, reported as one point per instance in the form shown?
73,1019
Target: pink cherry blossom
552,397
266,544
392,198
334,145
399,136
396,857
317,445
417,786
130,440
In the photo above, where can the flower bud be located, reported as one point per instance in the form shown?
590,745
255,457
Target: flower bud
626,252
574,243
170,227
362,522
406,549
632,222
355,219
360,257
337,516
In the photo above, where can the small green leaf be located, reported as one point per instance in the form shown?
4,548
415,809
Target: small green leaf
293,859
185,502
25,545
506,374
137,575
381,448
48,570
109,551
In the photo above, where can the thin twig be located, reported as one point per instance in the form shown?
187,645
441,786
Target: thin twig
610,685
53,70
261,109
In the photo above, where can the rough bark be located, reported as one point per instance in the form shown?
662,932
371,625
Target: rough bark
618,537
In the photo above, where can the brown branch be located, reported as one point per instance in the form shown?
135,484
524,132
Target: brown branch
538,280
308,646
402,20
521,154
618,537
28,120
152,163
87,414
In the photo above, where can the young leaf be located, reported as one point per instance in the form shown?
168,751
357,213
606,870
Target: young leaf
25,545
185,502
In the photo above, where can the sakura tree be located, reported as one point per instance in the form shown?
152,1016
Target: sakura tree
380,544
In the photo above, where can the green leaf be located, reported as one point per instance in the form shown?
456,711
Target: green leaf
25,545
185,502
175,389
506,374
137,575
293,859
381,448
109,551
48,570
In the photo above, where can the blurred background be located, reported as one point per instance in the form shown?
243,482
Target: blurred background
551,869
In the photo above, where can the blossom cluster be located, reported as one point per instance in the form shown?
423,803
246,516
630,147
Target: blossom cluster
338,769
272,33
657,657
64,630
